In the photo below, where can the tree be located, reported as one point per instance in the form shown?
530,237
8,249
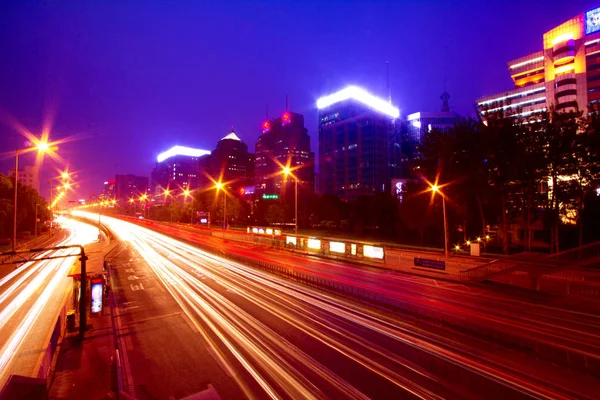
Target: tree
275,214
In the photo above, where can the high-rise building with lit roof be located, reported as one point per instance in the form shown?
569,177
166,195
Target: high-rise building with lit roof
176,169
284,142
358,143
565,74
230,162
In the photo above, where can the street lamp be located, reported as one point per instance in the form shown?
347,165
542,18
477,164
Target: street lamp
287,171
220,186
143,201
186,194
41,146
436,189
64,175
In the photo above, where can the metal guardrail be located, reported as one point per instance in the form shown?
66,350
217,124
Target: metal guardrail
584,252
548,264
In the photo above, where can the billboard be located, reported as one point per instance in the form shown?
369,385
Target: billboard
398,188
592,21
96,295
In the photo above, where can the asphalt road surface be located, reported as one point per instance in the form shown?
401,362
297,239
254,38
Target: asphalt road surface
192,319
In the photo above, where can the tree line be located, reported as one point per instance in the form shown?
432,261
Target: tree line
27,198
536,176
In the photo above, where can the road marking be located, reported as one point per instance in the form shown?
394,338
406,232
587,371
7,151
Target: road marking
133,278
137,287
129,270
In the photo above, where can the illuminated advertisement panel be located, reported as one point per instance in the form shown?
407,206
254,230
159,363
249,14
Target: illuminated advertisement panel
314,244
592,21
96,295
337,247
269,231
290,240
353,249
373,252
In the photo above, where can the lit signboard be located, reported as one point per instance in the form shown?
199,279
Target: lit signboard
203,220
314,244
254,230
353,249
270,196
398,188
247,190
96,295
337,247
373,252
269,231
290,240
592,21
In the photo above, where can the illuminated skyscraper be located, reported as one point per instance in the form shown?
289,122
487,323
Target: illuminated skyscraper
230,162
176,168
564,75
284,141
358,143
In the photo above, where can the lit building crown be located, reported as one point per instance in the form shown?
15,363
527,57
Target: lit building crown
361,95
181,151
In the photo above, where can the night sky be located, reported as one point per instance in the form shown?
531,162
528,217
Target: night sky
133,78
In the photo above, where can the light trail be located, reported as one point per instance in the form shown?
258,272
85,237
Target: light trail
27,291
279,365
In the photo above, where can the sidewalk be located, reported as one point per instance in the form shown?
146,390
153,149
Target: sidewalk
83,368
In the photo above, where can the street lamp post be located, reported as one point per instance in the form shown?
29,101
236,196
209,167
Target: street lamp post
36,218
436,189
186,194
41,147
220,186
287,171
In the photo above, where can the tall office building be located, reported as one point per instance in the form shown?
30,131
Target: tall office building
176,169
565,74
109,190
28,176
357,138
418,125
230,162
130,186
284,141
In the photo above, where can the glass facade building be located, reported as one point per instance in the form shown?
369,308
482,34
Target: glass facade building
357,138
564,75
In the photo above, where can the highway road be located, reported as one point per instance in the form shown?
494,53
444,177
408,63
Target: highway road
31,296
270,336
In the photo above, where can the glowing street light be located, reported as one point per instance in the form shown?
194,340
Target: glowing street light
436,189
219,186
287,171
41,146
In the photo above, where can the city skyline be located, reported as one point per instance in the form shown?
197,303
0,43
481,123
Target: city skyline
112,69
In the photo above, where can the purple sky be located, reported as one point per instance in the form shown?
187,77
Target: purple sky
133,78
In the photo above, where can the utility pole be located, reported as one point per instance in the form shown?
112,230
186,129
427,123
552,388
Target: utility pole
36,218
224,210
296,209
82,296
14,243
